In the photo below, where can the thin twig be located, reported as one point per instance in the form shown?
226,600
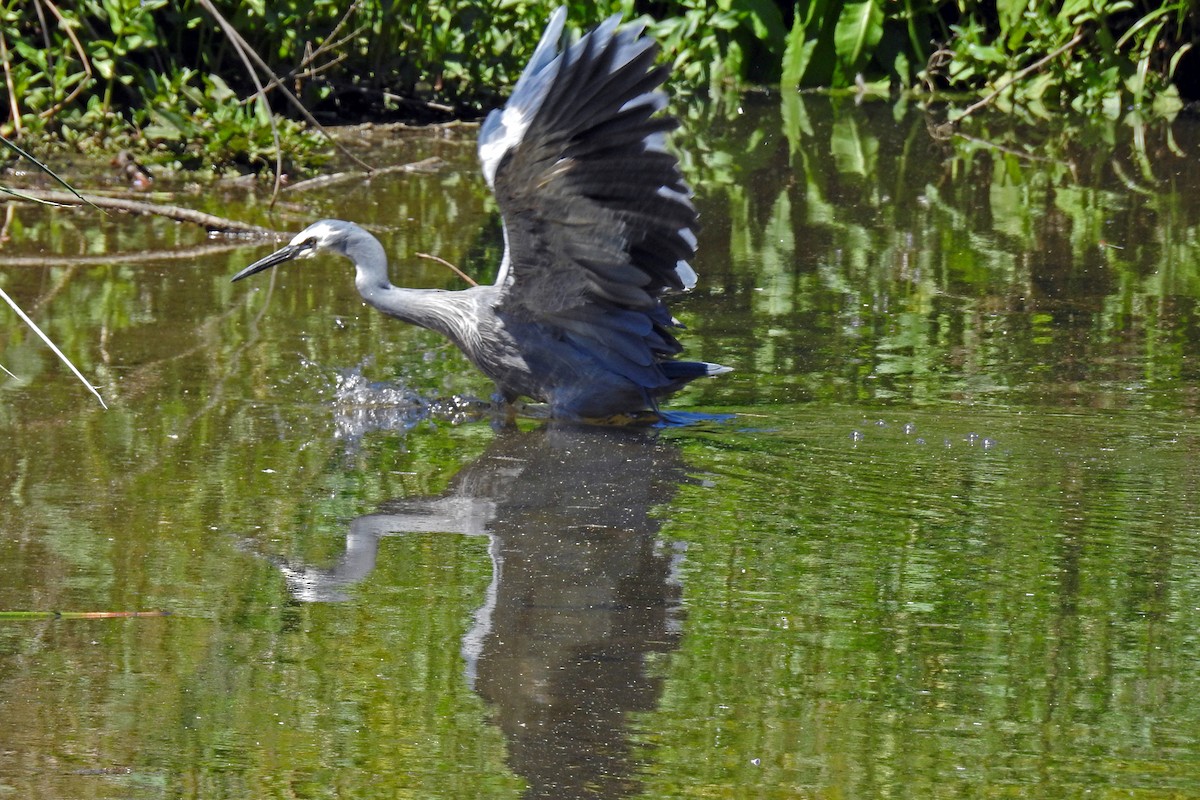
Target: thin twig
13,108
1018,75
304,71
446,263
243,50
231,32
33,326
83,59
431,164
332,43
209,221
326,44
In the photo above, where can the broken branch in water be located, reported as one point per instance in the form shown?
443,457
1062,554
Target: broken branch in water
431,164
209,221
80,614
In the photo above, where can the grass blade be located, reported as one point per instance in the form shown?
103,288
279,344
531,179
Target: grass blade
45,169
25,318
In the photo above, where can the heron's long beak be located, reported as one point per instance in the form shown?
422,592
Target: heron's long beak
275,259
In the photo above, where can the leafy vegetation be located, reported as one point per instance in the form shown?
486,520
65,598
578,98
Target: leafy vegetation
166,79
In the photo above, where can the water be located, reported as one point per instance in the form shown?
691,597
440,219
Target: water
937,536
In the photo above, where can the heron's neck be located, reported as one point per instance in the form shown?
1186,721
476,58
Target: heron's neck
429,308
435,309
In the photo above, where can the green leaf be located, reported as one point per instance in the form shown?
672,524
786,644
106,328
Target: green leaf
853,152
796,56
858,30
1010,12
219,90
766,22
1077,11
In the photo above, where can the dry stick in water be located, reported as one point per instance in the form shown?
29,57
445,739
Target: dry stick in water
195,253
431,164
209,221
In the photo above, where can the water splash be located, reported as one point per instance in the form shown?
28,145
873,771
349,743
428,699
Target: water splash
362,406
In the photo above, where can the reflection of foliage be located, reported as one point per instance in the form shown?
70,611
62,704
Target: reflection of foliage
861,617
866,614
12,304
873,271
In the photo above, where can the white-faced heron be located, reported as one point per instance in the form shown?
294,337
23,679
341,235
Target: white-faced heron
598,227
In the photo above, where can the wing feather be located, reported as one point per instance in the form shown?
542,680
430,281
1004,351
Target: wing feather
598,220
594,207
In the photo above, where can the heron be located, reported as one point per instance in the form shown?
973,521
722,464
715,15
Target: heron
598,226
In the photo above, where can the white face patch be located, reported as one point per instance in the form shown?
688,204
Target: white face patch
318,235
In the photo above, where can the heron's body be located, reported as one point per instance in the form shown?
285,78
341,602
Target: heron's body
598,227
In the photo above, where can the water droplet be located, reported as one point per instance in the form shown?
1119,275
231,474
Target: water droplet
909,428
856,436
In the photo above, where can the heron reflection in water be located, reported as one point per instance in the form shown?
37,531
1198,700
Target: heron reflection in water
598,227
583,592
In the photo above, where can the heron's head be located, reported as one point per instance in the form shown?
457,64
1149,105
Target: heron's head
329,235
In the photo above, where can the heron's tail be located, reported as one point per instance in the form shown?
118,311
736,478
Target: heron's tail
684,371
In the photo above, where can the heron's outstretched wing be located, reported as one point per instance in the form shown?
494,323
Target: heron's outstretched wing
598,221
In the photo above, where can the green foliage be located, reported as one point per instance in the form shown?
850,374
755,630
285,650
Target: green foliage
841,44
731,40
217,129
1086,55
165,79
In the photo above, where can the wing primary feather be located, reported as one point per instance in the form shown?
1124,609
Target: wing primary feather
598,219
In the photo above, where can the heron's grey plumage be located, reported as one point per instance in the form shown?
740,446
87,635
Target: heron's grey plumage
598,226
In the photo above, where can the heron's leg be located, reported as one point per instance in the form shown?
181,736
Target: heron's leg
504,413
